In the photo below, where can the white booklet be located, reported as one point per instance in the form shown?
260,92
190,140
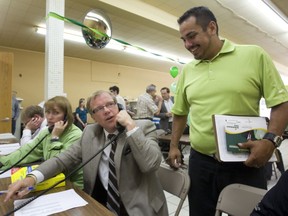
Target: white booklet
230,130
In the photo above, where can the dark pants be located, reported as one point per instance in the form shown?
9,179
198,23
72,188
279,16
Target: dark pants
275,200
13,126
209,177
79,125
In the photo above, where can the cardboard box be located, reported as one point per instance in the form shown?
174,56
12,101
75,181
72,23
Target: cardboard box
20,173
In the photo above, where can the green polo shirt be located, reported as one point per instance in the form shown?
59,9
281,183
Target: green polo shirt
233,82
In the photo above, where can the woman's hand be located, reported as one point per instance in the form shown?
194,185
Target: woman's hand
59,128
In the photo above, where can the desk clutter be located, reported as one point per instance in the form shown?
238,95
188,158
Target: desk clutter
19,173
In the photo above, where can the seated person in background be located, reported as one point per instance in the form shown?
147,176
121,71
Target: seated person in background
33,119
136,161
58,112
275,201
129,108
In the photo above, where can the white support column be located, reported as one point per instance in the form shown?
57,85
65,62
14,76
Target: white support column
54,50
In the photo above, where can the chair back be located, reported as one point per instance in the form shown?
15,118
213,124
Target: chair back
176,182
238,199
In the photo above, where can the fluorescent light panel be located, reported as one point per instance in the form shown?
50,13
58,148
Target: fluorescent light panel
276,10
270,11
77,37
262,13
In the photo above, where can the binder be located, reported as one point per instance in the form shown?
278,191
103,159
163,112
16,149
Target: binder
230,130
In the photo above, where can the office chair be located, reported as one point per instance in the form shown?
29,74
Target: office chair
238,200
176,182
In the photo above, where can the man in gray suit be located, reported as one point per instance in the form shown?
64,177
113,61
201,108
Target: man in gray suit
137,159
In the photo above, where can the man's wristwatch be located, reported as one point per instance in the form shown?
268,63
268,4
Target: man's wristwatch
275,139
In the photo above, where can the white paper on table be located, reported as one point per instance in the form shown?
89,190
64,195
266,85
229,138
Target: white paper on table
7,174
8,148
50,204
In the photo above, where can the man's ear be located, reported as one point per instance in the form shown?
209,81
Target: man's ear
212,28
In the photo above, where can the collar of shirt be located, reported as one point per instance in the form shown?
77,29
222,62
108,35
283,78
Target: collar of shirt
106,134
227,47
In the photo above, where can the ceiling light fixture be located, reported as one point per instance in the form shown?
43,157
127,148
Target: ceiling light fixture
276,10
261,13
77,37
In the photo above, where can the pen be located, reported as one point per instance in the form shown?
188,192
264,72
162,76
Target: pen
6,191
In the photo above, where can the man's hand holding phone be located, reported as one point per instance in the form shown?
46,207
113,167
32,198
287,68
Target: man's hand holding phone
125,120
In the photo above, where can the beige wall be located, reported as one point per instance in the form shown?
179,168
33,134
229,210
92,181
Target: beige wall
81,77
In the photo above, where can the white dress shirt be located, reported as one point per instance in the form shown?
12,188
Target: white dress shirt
169,104
27,135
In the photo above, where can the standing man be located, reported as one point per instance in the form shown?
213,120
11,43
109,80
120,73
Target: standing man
120,100
165,114
136,159
15,111
224,78
146,107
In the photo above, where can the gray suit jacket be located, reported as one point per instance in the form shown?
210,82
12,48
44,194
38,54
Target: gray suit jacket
137,159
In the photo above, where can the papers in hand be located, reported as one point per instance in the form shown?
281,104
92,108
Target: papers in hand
50,204
231,130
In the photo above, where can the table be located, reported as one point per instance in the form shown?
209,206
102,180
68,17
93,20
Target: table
92,208
165,139
184,139
6,138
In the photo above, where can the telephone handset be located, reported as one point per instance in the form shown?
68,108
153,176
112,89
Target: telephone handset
50,128
120,127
